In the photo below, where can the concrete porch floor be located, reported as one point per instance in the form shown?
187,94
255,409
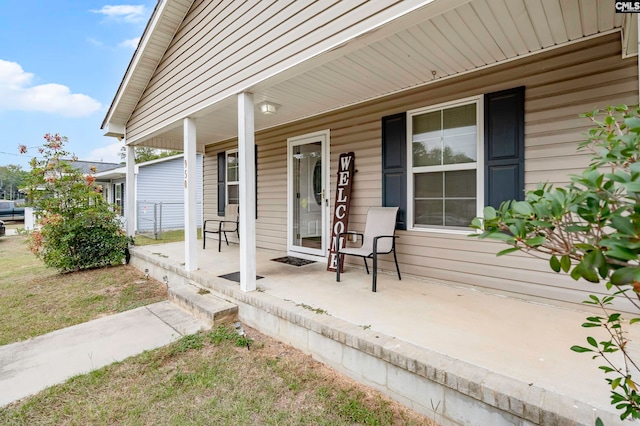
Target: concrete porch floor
520,347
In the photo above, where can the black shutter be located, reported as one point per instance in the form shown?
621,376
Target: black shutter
394,165
504,146
222,180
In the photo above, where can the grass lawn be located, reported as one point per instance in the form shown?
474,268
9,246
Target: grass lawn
35,300
207,379
166,237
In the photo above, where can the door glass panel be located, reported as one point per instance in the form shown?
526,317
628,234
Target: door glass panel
307,195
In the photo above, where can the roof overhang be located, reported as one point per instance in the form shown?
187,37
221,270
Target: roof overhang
118,173
440,40
114,130
162,26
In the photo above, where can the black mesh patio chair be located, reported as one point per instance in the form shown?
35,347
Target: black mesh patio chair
378,238
230,223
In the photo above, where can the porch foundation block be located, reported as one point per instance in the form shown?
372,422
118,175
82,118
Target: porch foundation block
451,391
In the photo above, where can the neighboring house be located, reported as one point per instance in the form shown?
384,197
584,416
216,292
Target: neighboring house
96,167
87,167
84,167
159,192
448,105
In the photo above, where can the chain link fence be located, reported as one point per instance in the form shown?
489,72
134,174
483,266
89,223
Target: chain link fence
154,217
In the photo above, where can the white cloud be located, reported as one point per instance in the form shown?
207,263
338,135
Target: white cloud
95,42
124,12
131,43
17,94
107,154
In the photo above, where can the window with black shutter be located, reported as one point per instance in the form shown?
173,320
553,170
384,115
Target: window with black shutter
394,165
229,179
222,181
449,159
504,146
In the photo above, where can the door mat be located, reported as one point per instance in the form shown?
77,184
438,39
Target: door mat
235,276
295,261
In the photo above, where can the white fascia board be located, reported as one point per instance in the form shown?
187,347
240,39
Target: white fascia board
112,174
159,160
149,30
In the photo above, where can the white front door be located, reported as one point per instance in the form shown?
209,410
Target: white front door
308,194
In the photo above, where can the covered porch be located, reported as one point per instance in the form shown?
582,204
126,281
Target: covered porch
455,353
208,78
221,80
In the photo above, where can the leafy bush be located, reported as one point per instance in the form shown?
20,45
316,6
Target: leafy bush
590,229
79,229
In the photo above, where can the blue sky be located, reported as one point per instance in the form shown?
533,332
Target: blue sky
61,62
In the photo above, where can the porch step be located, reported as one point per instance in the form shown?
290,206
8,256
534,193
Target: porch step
203,305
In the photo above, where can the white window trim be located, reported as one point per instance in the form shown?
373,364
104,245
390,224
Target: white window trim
480,163
119,200
227,182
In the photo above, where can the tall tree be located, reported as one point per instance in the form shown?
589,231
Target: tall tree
12,178
144,153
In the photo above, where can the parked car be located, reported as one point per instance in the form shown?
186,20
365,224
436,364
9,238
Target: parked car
11,210
3,230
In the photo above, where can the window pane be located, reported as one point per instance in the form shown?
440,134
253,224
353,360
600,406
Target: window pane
234,194
427,123
459,117
460,184
427,185
232,159
427,152
232,167
460,134
427,139
428,212
459,212
460,149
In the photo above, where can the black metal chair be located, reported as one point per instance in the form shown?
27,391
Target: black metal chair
378,238
230,223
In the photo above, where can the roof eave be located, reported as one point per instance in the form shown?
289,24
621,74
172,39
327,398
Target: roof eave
116,128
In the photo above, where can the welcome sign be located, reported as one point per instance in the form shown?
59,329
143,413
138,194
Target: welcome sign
341,212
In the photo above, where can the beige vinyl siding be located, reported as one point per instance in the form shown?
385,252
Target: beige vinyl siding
559,85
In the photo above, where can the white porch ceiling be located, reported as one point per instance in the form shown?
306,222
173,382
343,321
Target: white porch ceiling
413,51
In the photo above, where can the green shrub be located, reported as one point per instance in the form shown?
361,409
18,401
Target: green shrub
590,229
78,228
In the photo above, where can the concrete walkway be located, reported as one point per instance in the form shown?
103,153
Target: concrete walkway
30,366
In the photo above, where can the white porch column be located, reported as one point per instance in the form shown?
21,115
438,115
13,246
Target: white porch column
190,201
130,189
246,164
